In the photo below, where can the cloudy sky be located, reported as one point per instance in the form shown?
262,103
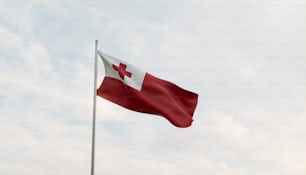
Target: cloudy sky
245,59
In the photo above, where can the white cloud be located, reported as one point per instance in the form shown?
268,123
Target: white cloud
9,40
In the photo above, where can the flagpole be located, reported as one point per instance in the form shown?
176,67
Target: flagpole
94,112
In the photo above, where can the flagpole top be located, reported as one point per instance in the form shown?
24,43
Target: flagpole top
96,41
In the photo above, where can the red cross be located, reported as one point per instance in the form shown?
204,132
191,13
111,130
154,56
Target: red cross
122,71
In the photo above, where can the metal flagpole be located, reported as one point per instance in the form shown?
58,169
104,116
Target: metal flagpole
94,112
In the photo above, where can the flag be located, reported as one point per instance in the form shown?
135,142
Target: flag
129,87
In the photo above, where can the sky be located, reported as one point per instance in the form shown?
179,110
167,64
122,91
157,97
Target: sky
245,59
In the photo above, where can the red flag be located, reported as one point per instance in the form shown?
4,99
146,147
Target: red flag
136,90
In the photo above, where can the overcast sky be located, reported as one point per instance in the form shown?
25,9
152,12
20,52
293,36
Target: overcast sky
245,59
